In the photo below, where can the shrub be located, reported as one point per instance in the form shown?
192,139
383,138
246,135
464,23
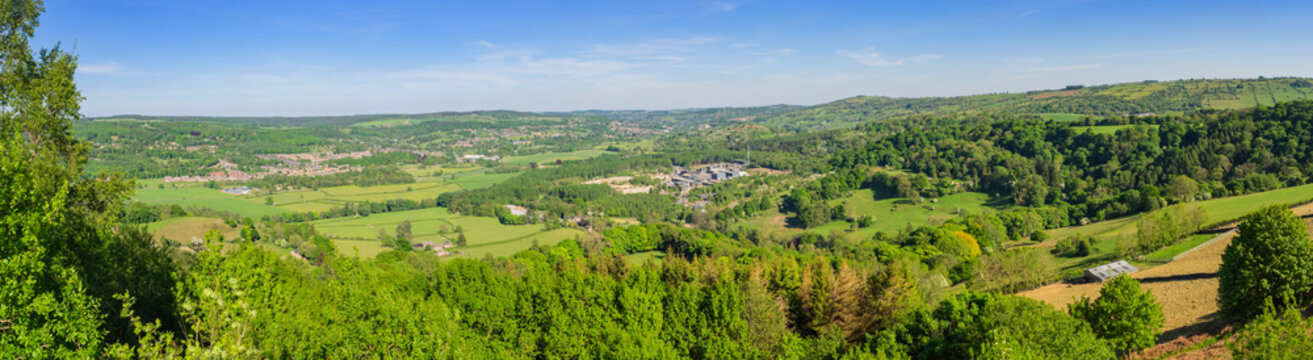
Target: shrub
1274,334
975,325
1271,256
1125,315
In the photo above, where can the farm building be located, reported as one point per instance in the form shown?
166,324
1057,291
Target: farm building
1107,271
517,210
240,190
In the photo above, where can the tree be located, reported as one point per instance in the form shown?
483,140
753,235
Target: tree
1125,315
53,219
1182,188
403,230
984,325
1038,236
1274,334
1270,257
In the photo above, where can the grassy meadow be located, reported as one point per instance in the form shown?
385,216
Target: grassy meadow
1107,129
548,158
484,234
891,214
188,195
183,229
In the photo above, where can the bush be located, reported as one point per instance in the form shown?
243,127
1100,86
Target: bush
1129,318
975,325
1274,335
1270,257
1013,270
1038,236
1074,247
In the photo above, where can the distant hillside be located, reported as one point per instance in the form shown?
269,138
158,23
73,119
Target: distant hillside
1105,100
307,121
689,117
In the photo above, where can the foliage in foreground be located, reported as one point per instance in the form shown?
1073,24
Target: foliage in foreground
1275,334
1129,318
1271,256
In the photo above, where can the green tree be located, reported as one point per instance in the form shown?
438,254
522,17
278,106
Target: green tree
984,325
403,230
1274,334
1271,256
1182,188
53,220
1125,315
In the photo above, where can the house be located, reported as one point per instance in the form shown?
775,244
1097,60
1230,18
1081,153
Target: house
240,190
1107,271
447,244
424,246
517,210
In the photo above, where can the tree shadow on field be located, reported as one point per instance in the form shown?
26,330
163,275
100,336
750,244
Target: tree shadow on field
1182,277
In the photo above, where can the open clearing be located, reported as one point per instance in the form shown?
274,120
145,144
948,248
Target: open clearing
891,214
549,158
1108,129
211,198
484,234
184,229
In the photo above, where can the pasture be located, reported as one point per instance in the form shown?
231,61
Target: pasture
548,158
184,229
891,214
484,234
1108,129
1062,117
479,180
201,196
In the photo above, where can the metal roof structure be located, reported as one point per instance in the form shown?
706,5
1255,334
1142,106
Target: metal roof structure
1107,271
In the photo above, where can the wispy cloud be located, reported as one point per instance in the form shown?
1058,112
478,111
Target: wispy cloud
485,43
657,47
870,58
109,68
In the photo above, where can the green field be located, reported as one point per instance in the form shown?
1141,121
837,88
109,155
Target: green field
183,229
485,234
1062,117
549,158
1215,211
1107,129
1167,253
479,180
637,259
211,198
891,214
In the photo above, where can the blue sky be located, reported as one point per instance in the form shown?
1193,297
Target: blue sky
231,58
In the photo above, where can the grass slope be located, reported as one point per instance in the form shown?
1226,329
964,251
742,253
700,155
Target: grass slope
485,235
211,198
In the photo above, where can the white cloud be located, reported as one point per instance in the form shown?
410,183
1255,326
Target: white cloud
110,68
870,58
485,43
